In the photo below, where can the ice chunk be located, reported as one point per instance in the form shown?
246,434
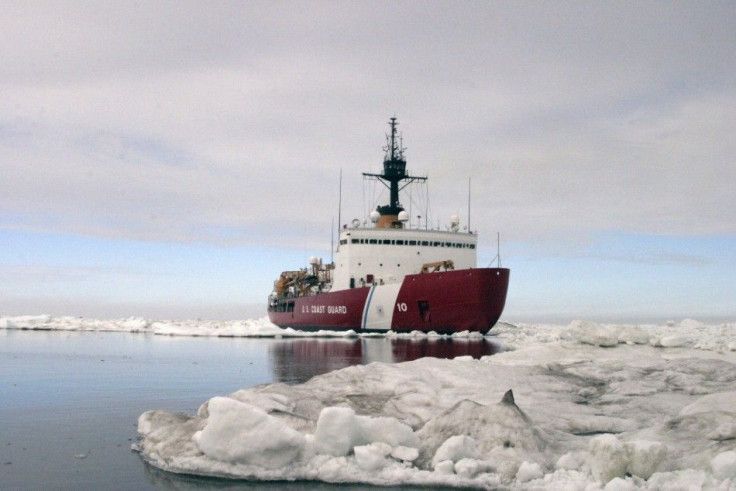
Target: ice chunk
407,454
501,425
724,465
572,461
633,335
593,334
529,471
455,448
670,341
240,433
644,457
387,430
445,467
337,431
607,457
469,468
372,457
168,437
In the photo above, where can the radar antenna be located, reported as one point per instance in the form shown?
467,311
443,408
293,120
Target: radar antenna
394,172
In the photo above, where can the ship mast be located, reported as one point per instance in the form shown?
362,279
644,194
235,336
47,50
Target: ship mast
394,173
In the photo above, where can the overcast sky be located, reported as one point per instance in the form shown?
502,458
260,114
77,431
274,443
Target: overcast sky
170,159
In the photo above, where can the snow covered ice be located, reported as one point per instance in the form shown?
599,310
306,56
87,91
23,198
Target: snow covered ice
592,406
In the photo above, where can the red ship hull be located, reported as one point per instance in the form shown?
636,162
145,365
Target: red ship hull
444,302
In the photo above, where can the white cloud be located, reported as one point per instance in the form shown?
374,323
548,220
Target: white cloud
230,123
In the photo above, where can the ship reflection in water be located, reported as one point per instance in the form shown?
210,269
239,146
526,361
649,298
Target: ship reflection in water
295,361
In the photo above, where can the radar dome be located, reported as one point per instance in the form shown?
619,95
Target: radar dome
454,223
374,216
314,261
403,216
356,222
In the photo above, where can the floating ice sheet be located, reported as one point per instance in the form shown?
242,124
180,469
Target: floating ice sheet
592,406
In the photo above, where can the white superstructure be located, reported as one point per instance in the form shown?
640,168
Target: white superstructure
386,255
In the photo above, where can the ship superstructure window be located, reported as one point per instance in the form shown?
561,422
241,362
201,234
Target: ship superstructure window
409,242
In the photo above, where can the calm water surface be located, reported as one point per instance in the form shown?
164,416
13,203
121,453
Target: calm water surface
69,401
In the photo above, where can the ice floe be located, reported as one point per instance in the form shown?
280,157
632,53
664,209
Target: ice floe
591,406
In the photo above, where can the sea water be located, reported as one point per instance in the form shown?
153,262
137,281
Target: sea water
69,401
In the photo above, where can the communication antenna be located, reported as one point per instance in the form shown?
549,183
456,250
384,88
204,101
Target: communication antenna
469,229
498,251
426,211
498,247
339,205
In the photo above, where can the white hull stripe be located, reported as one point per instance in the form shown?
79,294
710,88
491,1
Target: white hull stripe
379,307
367,306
